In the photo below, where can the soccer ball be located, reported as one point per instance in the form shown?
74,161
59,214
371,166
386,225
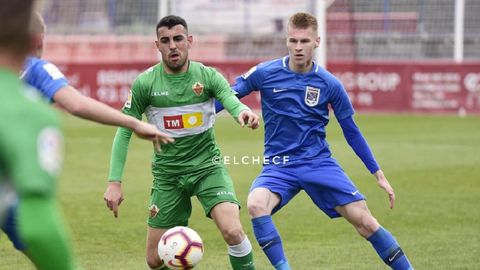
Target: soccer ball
180,248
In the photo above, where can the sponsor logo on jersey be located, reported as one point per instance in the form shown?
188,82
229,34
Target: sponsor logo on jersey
197,88
189,120
312,95
159,93
128,102
53,71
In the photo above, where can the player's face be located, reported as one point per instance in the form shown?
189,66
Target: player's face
174,44
301,44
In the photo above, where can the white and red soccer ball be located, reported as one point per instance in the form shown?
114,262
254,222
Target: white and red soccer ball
180,248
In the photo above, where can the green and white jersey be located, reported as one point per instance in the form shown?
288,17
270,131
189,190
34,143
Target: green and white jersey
183,106
30,140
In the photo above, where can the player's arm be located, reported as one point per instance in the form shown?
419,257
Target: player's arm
360,146
244,85
113,196
344,111
135,107
222,92
51,82
88,108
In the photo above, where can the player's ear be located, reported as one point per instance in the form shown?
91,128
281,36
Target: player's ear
317,42
157,44
190,41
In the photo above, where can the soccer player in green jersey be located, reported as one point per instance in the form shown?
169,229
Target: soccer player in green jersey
30,147
177,95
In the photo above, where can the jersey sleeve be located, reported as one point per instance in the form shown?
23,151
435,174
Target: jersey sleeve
119,153
47,78
245,84
134,106
223,93
342,107
137,100
358,143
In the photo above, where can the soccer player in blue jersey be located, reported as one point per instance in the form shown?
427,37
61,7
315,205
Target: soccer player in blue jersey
296,94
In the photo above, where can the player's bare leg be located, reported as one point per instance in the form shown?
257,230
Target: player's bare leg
153,237
260,203
385,244
227,218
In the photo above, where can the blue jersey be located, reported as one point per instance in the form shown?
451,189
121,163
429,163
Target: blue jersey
43,76
295,107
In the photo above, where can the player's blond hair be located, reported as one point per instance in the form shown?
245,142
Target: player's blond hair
303,20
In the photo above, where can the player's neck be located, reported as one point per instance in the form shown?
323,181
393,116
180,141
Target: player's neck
181,70
10,62
300,68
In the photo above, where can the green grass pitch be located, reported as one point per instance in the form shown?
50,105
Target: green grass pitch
433,163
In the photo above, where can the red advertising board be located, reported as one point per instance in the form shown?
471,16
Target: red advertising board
374,87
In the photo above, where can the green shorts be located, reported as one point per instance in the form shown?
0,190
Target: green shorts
170,203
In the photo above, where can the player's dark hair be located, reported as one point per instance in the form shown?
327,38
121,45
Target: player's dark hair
303,20
15,25
170,21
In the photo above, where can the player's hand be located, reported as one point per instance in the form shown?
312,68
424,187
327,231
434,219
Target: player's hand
249,118
113,196
150,132
385,185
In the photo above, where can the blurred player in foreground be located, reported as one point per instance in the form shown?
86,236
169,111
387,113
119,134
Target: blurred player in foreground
52,84
296,94
30,148
178,96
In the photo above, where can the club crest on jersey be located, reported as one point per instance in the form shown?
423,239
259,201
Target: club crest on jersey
312,95
197,88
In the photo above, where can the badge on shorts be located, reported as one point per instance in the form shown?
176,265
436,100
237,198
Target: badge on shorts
312,95
197,88
153,210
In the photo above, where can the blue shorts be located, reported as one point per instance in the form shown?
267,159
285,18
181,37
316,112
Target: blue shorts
323,180
10,227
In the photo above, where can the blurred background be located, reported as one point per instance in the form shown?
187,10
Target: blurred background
391,55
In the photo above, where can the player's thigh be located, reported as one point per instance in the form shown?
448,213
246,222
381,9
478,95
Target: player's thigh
170,205
328,186
215,186
283,183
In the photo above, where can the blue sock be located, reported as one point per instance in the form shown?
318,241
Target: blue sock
268,238
389,250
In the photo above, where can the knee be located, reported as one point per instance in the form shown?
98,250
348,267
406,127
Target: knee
367,225
257,208
233,236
